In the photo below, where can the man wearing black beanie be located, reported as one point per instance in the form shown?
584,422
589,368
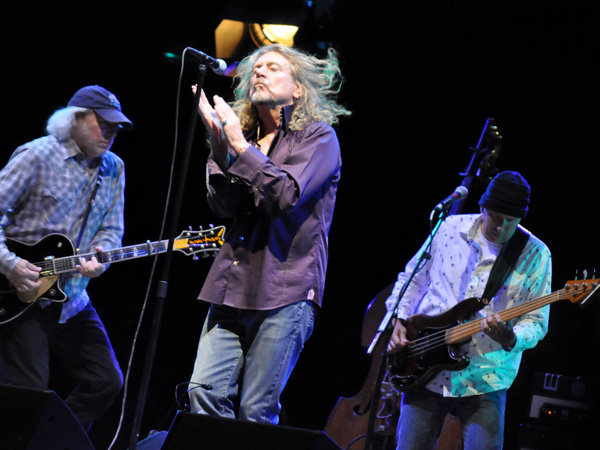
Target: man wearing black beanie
463,253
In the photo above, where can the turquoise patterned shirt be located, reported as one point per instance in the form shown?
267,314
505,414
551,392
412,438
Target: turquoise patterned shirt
459,269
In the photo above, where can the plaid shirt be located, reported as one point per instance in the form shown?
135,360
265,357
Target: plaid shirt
44,189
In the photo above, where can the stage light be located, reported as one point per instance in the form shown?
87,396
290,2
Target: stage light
266,34
245,27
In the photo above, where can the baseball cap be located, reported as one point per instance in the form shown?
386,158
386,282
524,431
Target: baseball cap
103,102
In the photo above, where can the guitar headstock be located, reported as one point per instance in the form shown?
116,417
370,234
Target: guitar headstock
488,150
577,290
204,241
482,166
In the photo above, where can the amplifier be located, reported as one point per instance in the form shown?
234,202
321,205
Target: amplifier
564,399
560,414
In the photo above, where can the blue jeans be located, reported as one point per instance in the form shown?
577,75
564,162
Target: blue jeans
422,417
247,356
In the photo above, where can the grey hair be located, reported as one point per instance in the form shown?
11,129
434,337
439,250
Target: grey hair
62,121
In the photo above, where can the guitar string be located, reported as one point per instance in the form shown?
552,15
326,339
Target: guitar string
66,264
468,329
437,339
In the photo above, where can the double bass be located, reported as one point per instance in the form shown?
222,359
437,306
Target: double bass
371,420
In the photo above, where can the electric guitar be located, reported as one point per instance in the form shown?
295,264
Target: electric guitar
434,340
56,255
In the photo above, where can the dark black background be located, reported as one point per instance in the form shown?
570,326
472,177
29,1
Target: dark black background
422,77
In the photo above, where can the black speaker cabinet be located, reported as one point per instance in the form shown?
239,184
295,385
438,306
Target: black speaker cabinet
34,419
200,432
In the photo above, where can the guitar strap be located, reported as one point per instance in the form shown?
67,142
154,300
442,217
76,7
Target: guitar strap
89,206
505,262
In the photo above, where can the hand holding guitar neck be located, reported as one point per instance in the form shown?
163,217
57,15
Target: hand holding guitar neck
495,328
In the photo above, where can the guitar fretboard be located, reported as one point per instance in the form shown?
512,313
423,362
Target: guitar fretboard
572,291
67,264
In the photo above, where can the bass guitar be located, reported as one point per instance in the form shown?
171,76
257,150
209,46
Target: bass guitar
56,255
434,340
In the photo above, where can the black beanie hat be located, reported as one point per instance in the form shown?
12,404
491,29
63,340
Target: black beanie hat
508,193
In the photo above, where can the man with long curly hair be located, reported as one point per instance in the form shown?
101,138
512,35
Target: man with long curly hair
273,168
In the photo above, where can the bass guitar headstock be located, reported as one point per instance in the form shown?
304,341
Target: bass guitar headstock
580,290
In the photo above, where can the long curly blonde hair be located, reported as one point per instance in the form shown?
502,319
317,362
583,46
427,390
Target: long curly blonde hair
318,79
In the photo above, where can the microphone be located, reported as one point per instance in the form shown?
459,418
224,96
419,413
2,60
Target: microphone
217,65
459,192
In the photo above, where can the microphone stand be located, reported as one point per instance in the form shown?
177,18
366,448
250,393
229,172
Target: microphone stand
384,332
161,293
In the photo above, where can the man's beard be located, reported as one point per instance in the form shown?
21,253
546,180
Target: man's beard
261,97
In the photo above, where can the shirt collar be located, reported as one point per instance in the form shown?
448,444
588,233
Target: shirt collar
471,234
70,149
285,116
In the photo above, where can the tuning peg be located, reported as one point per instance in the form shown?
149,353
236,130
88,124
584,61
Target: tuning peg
585,274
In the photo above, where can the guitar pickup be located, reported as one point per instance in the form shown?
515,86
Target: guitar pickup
47,267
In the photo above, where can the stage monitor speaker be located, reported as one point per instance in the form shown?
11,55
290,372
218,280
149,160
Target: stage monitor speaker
200,432
35,419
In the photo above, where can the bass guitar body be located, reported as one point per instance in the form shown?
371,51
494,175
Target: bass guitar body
414,366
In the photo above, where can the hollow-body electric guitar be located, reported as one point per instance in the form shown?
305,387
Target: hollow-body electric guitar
56,255
434,340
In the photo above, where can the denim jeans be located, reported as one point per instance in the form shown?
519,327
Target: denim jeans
247,356
422,416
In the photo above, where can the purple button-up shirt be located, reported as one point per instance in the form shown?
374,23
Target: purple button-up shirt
275,253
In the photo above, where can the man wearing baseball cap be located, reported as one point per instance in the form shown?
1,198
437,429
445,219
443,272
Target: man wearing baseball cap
463,253
67,182
103,102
